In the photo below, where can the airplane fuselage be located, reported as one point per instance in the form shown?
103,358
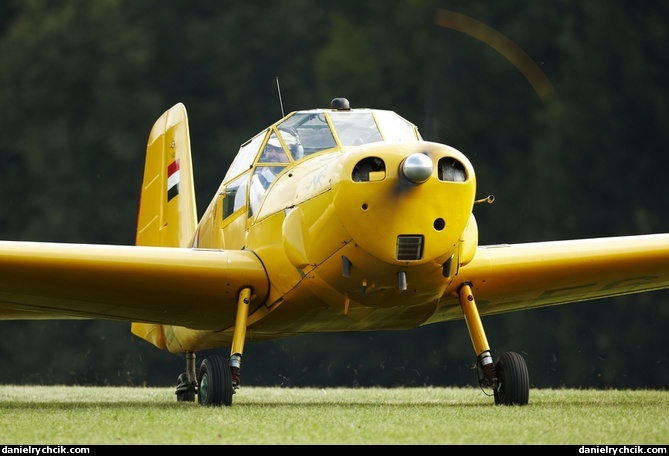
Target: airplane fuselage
352,238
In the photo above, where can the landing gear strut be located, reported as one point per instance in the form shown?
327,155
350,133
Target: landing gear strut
187,381
508,377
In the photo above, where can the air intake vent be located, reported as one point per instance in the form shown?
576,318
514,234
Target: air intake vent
451,170
409,247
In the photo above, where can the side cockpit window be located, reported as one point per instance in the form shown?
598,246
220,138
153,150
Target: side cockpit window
235,195
245,156
271,162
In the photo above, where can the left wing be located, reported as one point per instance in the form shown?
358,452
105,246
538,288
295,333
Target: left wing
522,276
174,286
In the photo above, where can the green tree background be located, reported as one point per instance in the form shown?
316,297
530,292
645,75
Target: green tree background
82,82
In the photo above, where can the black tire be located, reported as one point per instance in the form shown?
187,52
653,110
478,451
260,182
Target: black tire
183,394
214,382
515,380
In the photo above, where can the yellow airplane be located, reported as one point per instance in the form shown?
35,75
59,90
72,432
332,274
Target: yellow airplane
329,220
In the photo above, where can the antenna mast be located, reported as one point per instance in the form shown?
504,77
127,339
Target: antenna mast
280,101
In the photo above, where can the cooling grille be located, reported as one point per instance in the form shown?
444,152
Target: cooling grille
409,247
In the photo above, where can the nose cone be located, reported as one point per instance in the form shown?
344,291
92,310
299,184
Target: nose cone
417,168
414,201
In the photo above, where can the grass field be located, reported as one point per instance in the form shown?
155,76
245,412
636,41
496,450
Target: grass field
106,415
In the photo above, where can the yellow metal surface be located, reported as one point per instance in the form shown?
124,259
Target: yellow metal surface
193,288
150,332
396,208
473,319
167,210
239,332
517,277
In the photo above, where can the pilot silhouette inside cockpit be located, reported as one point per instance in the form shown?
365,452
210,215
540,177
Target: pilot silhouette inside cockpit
268,167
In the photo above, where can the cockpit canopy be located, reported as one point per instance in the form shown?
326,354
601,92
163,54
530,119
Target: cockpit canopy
303,133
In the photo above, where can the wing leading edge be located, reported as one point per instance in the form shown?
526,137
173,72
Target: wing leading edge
173,286
523,276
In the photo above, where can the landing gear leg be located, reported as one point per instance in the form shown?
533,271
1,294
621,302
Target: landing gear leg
187,381
217,379
239,336
508,377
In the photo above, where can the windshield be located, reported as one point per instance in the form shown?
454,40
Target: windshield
312,131
307,132
355,128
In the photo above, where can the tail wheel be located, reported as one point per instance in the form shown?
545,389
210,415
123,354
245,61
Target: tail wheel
215,382
514,380
185,392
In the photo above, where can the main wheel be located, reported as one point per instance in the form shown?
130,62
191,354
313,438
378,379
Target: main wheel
214,382
515,380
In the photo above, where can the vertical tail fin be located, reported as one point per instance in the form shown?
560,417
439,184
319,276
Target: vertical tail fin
167,210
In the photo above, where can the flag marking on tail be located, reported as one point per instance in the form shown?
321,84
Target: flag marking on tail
173,179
